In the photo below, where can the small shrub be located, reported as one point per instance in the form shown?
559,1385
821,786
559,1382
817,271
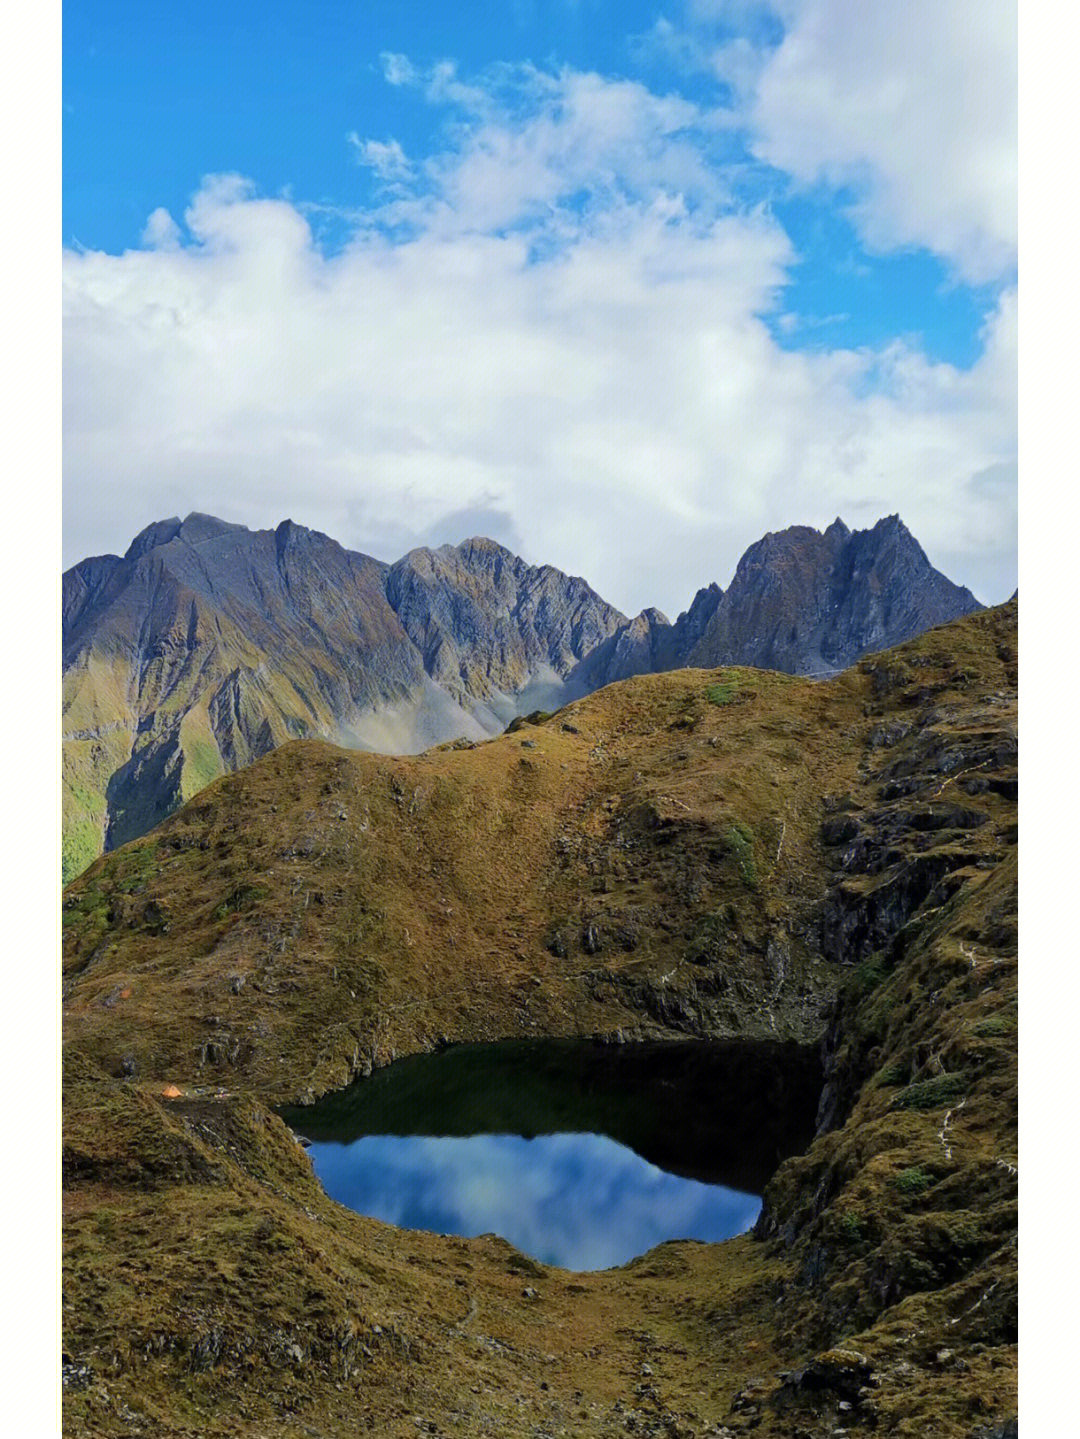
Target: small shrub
850,1227
913,1180
522,1264
931,1093
997,1024
893,1075
535,717
869,974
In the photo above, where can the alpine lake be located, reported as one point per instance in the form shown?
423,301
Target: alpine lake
582,1154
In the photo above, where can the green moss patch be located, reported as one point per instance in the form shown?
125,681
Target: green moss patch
739,839
723,693
943,1089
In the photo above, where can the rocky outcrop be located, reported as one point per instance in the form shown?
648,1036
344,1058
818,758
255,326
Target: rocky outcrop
801,601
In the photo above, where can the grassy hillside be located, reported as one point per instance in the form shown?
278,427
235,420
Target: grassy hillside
697,853
646,859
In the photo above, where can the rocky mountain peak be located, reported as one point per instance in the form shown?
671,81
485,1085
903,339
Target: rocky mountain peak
193,530
811,602
160,532
651,618
488,625
291,539
198,528
892,524
702,608
802,600
478,549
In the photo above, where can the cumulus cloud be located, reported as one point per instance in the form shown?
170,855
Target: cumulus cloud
558,323
910,109
528,142
914,107
161,231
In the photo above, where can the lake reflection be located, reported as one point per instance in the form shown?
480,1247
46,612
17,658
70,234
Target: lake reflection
581,1155
581,1201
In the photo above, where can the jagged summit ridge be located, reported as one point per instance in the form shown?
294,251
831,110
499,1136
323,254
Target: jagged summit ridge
488,625
801,600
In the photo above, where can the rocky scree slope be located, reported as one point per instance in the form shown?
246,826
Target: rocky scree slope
208,645
733,853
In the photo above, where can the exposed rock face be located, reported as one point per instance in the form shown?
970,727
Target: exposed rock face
801,601
488,625
208,644
639,647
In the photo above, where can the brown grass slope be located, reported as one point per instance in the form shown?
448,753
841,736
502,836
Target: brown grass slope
690,853
646,860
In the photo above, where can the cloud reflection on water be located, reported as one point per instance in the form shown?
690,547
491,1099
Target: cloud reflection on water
581,1201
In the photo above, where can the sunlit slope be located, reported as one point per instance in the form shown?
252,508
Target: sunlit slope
548,879
650,857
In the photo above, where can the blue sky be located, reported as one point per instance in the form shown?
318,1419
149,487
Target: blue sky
623,285
156,96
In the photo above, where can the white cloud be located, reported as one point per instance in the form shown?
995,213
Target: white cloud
568,339
910,108
912,105
528,141
385,157
398,69
161,231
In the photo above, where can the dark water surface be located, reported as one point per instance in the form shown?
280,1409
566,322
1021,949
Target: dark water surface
580,1154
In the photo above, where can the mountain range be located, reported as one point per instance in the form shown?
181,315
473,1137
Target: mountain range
208,644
